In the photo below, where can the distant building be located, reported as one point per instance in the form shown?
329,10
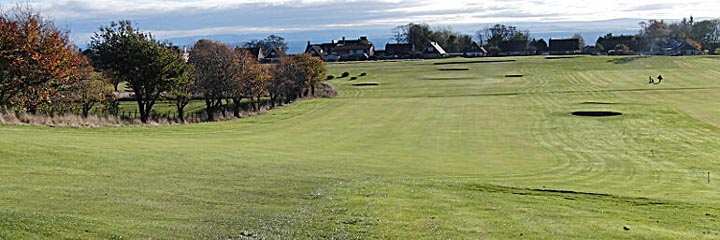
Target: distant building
398,50
564,46
273,55
255,52
475,50
185,54
434,50
679,48
515,48
314,50
360,49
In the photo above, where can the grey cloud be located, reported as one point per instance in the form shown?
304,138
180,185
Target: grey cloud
651,7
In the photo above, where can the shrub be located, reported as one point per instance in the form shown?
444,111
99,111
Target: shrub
330,77
353,78
362,74
345,74
325,91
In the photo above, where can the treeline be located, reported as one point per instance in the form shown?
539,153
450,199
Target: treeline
225,74
654,34
418,35
42,72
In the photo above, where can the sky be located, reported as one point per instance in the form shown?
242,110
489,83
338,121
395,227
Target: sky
317,19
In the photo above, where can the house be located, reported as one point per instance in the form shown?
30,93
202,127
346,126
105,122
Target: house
325,51
434,50
273,55
564,46
360,49
398,50
475,50
320,50
314,50
515,48
255,52
679,48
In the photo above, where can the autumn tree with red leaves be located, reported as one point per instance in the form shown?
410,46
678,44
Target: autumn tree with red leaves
37,61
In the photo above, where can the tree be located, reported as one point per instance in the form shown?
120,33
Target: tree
89,88
609,42
183,90
540,45
214,68
452,41
313,71
246,69
283,87
270,42
494,35
654,34
581,40
149,67
36,59
418,35
707,32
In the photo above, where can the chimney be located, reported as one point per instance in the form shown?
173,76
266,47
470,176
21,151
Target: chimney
343,39
363,38
308,43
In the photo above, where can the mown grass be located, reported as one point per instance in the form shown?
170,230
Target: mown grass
426,154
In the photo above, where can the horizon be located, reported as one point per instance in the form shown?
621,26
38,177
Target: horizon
300,21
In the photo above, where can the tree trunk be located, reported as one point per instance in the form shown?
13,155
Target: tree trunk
86,110
256,104
180,103
272,100
236,107
312,89
143,113
209,109
223,107
181,113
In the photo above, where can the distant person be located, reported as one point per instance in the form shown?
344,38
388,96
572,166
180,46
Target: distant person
659,78
651,80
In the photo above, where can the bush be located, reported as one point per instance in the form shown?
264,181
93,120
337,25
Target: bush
345,74
330,77
362,74
353,78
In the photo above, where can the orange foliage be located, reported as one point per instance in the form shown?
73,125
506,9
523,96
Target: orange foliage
37,61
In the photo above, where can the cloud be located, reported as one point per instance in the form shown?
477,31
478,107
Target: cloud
177,18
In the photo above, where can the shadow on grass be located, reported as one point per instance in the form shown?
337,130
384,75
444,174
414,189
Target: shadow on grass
624,60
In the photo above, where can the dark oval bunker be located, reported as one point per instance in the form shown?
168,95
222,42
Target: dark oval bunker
596,113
